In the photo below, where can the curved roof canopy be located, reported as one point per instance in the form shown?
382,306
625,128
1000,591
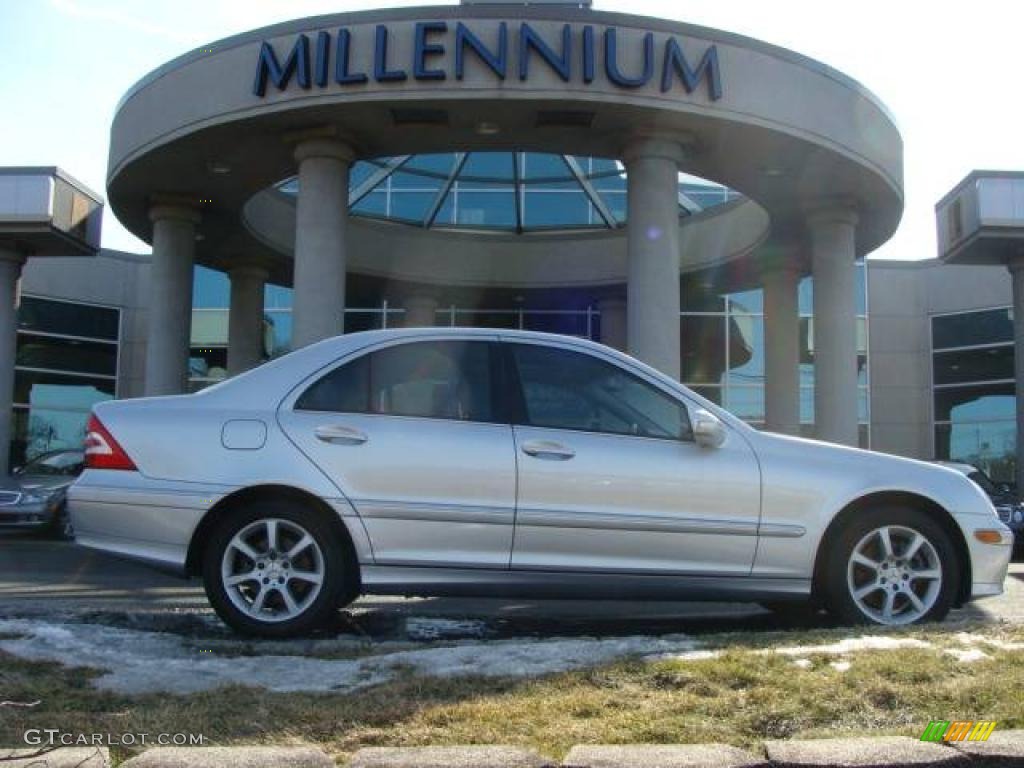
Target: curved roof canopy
504,191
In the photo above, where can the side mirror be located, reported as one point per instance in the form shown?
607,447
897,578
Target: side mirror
17,470
708,429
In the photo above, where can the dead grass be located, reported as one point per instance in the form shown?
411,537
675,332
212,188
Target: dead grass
740,697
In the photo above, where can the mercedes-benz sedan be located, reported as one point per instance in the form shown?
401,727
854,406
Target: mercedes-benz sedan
483,462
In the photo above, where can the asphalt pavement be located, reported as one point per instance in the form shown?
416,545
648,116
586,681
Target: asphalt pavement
39,577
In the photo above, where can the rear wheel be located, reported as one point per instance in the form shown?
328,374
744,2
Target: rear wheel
892,566
275,569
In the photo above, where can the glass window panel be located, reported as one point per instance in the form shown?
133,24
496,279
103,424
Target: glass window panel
703,348
990,446
862,405
747,302
569,324
972,328
805,296
611,183
487,319
52,390
363,320
210,288
714,394
746,402
487,166
539,165
746,349
862,288
359,173
208,363
864,436
282,325
570,390
446,213
403,180
346,389
555,209
439,164
807,405
374,204
988,364
603,166
67,355
37,431
440,380
701,294
68,318
277,297
487,209
862,370
991,402
617,204
410,206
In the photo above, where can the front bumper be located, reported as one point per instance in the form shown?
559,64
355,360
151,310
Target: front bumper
989,562
27,516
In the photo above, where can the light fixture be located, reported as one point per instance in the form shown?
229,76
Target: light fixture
487,129
773,172
218,167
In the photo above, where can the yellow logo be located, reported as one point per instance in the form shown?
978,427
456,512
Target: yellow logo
958,730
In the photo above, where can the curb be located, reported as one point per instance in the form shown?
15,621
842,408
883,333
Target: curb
1004,749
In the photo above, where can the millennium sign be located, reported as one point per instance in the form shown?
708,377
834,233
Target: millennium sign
440,50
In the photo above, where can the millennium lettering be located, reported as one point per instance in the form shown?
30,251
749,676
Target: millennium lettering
441,49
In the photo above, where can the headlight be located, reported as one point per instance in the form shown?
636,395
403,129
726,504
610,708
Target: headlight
39,496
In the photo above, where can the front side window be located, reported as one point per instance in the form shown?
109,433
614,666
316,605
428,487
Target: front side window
436,379
571,390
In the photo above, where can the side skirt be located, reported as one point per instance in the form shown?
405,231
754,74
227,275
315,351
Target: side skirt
412,581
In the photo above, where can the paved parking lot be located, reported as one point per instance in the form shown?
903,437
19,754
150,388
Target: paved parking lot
40,577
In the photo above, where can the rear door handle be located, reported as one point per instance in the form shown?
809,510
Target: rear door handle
340,435
548,449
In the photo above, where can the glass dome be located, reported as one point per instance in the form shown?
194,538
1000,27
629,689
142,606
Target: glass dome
512,192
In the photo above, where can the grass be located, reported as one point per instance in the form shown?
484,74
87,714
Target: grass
741,697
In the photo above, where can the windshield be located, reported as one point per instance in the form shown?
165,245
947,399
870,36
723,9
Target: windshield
59,463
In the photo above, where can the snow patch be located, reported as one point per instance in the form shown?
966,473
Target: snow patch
851,644
967,655
684,656
803,663
142,662
840,666
421,628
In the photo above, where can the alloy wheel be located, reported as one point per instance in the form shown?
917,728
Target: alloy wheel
273,570
894,575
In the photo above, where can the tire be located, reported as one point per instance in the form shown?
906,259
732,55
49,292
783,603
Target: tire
290,604
926,585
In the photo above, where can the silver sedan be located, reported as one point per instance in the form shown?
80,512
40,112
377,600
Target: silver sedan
484,462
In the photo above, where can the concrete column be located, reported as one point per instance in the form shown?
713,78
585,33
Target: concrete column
832,240
1017,275
321,220
170,298
782,349
420,311
10,273
613,322
245,318
652,243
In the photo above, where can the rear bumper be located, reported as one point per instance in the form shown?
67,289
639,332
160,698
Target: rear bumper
133,516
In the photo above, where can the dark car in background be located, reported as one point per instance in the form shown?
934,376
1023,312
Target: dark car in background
1004,499
34,496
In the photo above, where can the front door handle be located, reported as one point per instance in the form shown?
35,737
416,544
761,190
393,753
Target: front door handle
339,435
548,449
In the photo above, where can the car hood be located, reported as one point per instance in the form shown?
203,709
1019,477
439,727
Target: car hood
21,483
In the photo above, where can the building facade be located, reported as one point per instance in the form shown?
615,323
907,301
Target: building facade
702,200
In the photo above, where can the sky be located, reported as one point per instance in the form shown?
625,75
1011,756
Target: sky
948,71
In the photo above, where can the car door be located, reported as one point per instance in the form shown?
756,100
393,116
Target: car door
409,434
611,480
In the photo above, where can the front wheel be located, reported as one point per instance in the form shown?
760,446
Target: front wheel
892,566
274,569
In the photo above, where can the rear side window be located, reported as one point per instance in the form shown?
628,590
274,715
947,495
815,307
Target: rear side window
435,379
563,389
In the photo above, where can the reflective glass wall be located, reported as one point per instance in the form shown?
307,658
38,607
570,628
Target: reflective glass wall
973,390
67,357
723,344
724,350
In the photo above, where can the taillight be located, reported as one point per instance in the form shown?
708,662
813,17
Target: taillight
102,451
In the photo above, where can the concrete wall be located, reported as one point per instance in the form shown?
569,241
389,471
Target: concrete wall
903,296
111,277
